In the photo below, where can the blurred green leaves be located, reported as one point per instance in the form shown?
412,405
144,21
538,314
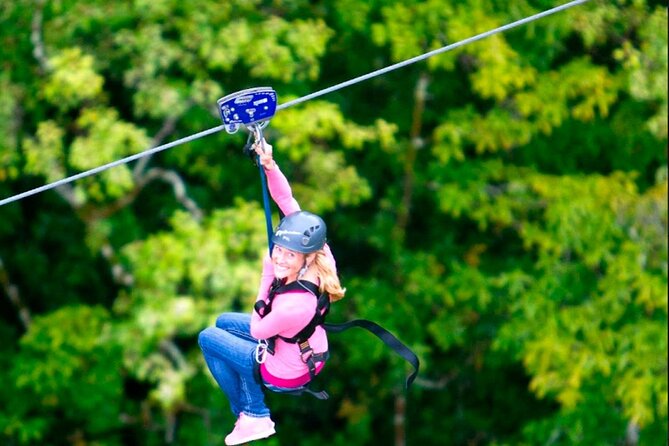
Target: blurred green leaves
509,223
68,363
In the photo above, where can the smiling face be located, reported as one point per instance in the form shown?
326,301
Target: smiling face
287,263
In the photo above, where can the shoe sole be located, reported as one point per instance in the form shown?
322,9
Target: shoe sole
254,437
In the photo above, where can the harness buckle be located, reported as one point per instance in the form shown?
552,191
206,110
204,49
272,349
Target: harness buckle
306,352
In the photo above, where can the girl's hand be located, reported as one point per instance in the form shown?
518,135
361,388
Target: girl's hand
264,151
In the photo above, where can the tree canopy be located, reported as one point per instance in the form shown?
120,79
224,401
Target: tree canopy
501,208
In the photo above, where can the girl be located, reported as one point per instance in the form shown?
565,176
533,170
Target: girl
300,263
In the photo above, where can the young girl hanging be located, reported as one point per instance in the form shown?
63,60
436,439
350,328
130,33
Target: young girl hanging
301,268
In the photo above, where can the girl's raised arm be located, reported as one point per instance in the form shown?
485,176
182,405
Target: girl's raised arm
278,185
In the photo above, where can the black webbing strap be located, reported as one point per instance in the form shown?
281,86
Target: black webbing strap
295,391
387,337
299,391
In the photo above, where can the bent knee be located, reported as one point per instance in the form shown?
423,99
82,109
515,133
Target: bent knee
206,337
224,319
227,321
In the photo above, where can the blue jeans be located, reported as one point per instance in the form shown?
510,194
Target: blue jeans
229,350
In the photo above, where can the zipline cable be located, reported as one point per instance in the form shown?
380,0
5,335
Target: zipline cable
112,164
431,53
293,102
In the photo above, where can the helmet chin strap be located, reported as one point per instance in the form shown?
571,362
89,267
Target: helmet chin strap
306,265
303,270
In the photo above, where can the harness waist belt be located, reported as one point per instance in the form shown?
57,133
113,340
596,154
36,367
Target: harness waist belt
289,382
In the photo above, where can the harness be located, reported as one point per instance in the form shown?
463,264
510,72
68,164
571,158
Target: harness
309,357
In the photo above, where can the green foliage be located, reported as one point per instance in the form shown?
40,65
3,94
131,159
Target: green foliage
178,290
8,104
646,68
73,80
67,369
501,208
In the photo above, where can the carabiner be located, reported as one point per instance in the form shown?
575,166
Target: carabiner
261,351
256,130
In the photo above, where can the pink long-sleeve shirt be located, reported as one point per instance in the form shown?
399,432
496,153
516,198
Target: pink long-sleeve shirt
291,311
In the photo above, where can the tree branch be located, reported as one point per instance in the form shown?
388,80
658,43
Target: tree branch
172,351
178,187
415,144
632,434
119,273
36,37
166,129
170,427
439,384
14,297
66,191
399,420
156,173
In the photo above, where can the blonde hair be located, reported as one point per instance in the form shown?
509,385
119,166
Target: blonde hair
328,276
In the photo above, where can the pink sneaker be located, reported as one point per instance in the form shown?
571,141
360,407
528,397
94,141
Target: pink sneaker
250,428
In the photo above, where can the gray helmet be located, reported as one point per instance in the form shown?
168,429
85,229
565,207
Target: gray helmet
301,231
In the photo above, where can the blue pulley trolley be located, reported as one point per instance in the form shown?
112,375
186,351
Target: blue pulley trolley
253,108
